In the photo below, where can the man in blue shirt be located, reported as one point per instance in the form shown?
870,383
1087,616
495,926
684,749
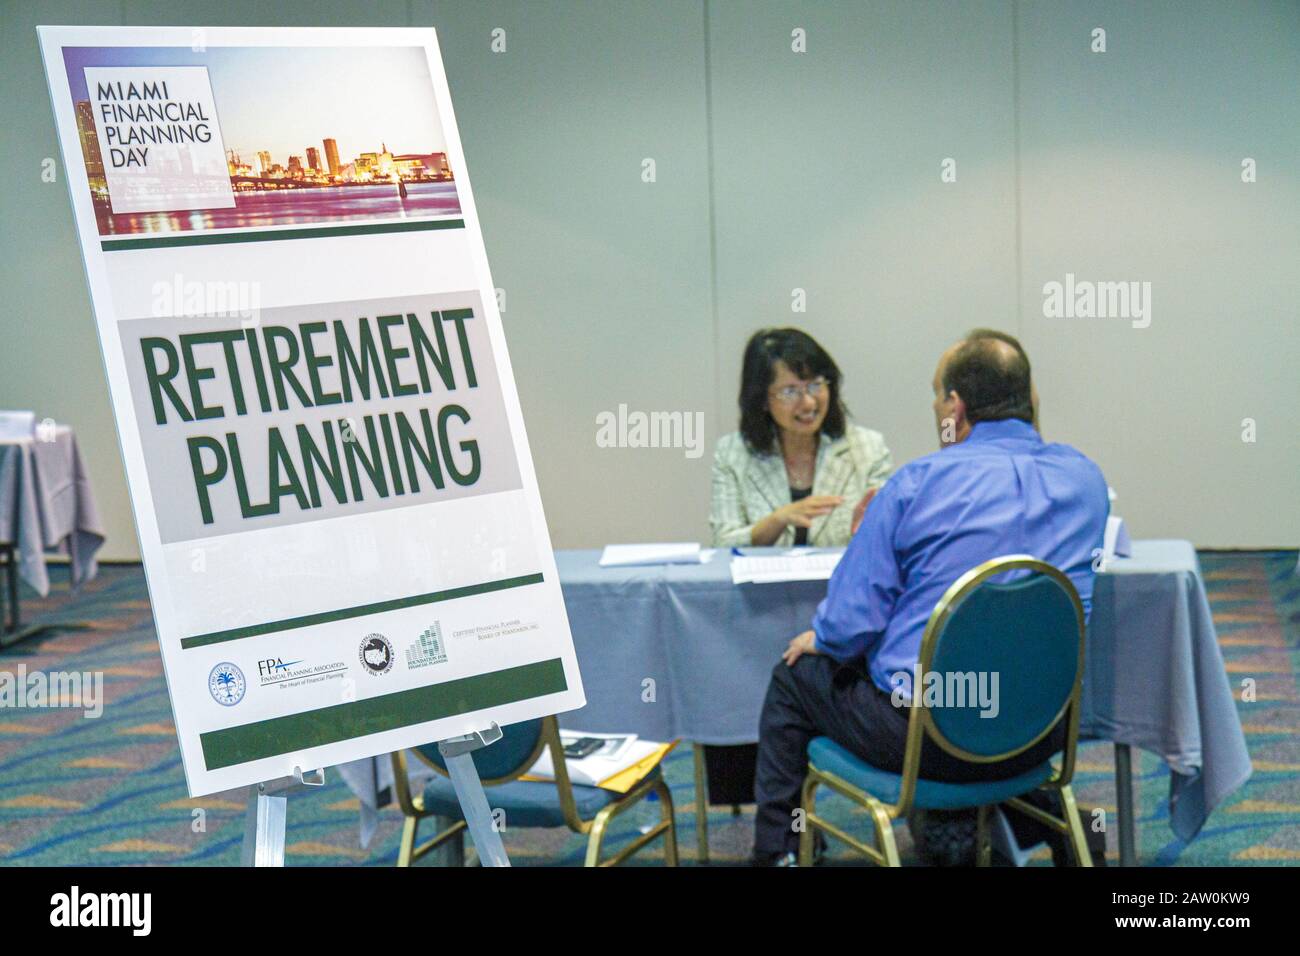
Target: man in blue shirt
994,488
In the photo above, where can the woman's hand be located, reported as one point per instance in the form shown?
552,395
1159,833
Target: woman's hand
800,514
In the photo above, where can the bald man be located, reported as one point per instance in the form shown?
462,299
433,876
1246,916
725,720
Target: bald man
994,488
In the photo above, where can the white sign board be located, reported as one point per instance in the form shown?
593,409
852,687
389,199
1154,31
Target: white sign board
336,504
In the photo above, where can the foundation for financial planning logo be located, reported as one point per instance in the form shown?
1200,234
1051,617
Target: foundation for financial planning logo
429,649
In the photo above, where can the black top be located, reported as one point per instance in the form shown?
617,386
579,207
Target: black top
800,534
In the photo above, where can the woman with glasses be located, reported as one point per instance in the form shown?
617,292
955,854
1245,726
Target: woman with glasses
797,472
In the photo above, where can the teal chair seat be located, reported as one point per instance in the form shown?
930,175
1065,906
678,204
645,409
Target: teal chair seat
527,803
829,757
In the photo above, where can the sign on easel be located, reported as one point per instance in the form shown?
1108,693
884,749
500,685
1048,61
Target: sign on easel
335,500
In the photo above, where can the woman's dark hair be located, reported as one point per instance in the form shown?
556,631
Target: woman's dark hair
801,355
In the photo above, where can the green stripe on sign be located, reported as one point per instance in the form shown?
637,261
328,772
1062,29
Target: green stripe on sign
274,235
329,725
361,610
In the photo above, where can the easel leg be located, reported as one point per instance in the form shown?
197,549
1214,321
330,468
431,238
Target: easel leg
478,815
1124,805
264,821
264,828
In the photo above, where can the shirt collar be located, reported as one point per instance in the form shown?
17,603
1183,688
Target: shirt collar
1006,428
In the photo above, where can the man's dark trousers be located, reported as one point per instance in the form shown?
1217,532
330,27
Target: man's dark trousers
821,697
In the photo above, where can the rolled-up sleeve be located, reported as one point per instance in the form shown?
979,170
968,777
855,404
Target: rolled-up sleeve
867,582
727,518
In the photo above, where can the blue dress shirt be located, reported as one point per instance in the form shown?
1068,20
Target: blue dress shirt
1001,491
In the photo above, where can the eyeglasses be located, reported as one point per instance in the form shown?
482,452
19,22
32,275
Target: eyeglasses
790,394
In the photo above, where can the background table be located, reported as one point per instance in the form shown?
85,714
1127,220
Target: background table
1154,676
1155,679
46,505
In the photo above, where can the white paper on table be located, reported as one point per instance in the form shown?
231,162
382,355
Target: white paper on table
15,426
590,771
626,555
1116,543
772,569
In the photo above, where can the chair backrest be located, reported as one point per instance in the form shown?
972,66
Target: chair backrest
1003,659
517,750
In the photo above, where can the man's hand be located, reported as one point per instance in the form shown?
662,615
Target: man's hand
801,645
860,510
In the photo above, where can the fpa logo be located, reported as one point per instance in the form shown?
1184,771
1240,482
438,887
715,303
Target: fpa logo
274,666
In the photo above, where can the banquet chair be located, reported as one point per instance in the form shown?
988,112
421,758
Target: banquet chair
527,803
1030,631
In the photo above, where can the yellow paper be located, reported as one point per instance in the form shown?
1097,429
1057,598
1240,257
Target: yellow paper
625,780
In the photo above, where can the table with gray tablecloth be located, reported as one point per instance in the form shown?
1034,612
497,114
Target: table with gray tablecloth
47,506
678,651
1154,677
1156,680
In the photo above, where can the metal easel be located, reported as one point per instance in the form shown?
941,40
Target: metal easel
264,823
265,818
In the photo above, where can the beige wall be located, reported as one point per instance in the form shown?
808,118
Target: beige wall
817,171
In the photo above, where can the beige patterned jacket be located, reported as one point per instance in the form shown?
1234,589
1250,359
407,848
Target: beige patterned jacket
749,487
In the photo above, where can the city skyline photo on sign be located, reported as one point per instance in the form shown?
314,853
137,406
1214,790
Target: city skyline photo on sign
220,139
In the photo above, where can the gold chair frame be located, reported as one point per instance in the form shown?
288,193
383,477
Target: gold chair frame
921,724
413,807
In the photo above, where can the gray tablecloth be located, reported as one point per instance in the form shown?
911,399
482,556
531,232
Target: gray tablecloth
46,505
679,651
1155,678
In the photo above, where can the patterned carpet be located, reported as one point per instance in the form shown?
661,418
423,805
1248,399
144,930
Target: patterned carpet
110,791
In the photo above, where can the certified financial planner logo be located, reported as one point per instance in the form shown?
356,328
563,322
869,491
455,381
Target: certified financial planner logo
226,684
428,649
376,654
